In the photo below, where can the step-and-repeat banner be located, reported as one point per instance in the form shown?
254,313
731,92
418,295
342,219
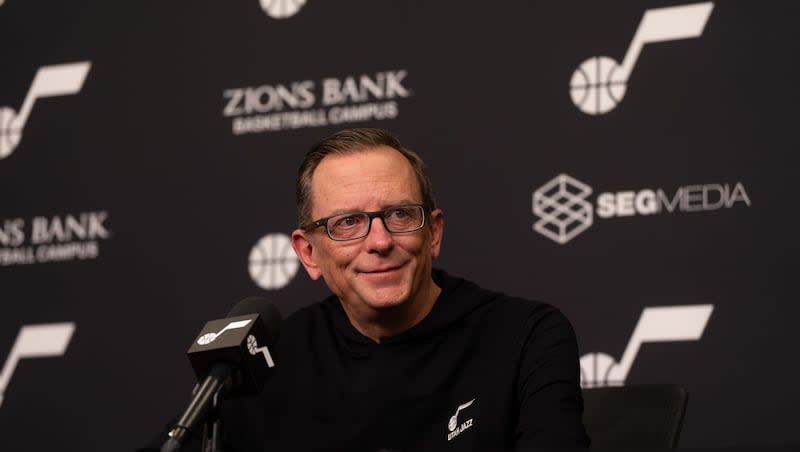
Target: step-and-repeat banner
632,163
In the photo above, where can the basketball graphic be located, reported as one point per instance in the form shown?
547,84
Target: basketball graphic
252,344
273,262
453,423
10,132
596,369
281,9
596,86
207,338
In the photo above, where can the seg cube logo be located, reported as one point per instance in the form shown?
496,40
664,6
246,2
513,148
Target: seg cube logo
562,208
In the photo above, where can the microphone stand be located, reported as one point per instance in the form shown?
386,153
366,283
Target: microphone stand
202,408
212,434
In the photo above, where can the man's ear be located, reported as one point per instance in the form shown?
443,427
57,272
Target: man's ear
437,230
304,248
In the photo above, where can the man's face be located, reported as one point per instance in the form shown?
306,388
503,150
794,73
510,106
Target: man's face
381,270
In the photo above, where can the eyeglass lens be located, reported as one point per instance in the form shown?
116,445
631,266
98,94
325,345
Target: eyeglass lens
396,219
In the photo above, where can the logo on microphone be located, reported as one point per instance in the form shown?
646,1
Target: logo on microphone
599,83
453,425
254,349
280,9
36,341
50,81
656,324
211,337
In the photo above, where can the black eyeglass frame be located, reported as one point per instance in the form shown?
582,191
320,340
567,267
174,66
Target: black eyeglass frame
370,216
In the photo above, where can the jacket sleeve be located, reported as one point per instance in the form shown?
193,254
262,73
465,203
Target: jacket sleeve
548,387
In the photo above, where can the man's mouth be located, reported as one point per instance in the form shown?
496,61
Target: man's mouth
381,270
384,270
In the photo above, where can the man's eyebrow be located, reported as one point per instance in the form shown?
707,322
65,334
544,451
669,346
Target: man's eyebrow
402,202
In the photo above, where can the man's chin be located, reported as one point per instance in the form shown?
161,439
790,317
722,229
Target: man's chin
386,299
382,304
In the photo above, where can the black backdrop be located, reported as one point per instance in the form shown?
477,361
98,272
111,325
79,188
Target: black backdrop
134,210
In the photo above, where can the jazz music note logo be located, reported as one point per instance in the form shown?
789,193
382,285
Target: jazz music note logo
656,324
36,341
599,83
211,337
55,80
254,349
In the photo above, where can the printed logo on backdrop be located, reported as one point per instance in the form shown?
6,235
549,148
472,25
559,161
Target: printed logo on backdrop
58,238
315,103
279,9
564,210
273,262
656,324
600,83
35,341
50,81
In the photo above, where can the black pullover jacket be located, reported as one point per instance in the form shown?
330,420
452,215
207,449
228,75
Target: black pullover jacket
483,371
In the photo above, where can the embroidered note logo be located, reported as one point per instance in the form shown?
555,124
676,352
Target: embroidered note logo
453,425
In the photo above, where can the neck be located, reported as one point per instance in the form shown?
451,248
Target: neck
383,324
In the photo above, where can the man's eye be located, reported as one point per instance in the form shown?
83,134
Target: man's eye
400,213
347,221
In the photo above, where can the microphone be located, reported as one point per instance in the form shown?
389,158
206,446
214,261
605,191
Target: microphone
230,357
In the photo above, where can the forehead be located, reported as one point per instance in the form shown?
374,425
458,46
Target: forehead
368,179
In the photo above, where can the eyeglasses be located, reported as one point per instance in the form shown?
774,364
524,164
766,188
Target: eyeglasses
355,225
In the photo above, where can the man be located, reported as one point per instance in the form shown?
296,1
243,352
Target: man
381,274
402,356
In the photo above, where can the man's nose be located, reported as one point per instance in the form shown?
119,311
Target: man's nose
379,238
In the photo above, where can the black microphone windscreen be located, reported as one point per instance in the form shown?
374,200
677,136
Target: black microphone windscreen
269,314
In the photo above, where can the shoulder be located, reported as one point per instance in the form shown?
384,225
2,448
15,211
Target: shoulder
536,325
513,310
514,319
310,313
309,321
